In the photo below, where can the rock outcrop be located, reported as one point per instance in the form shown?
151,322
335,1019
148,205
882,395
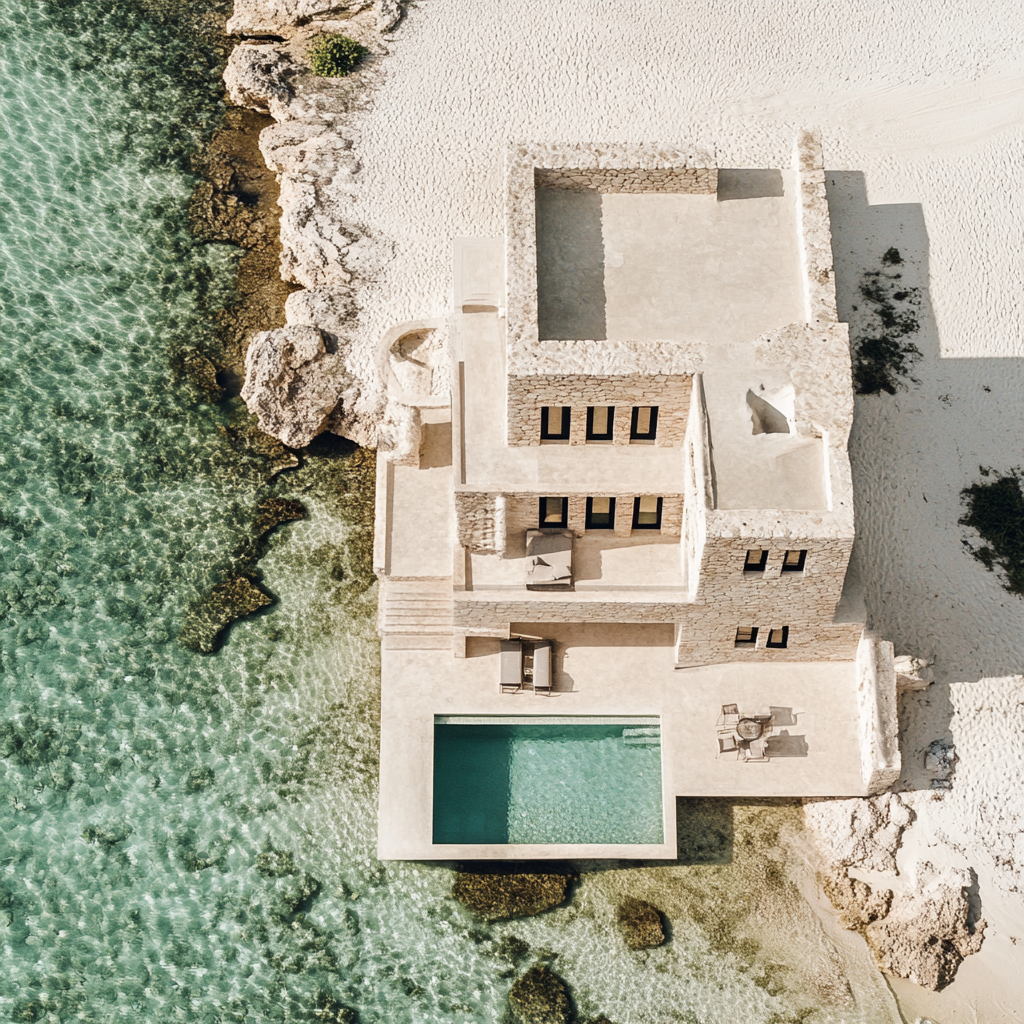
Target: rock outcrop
927,933
640,924
269,17
865,833
913,674
258,76
292,383
857,902
540,997
495,896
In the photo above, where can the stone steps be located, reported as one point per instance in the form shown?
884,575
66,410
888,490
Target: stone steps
416,608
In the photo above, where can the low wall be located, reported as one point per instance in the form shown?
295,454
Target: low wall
876,697
689,180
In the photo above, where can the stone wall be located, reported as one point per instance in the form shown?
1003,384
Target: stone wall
705,639
480,521
523,513
814,229
669,392
876,698
689,180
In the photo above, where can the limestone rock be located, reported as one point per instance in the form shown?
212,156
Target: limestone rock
292,383
640,924
540,997
270,17
926,935
258,76
857,831
858,904
496,896
235,598
913,673
388,14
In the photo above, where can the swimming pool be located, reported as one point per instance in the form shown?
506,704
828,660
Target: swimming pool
547,779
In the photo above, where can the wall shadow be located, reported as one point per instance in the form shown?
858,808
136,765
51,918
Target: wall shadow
570,266
748,183
912,453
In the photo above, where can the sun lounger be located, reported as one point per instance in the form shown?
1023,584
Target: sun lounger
727,744
755,751
548,559
511,666
542,667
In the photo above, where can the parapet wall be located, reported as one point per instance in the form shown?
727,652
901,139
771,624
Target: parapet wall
527,395
697,181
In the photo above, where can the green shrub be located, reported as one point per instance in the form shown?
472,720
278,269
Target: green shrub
334,56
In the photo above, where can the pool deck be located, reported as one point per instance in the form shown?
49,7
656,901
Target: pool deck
612,670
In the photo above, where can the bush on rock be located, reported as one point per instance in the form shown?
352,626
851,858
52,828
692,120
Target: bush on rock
334,56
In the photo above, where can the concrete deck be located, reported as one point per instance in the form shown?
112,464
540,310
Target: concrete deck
627,267
612,670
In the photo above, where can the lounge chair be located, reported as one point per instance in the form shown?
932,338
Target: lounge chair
542,667
755,751
549,559
511,666
727,744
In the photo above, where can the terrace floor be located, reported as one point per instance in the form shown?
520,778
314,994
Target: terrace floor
613,670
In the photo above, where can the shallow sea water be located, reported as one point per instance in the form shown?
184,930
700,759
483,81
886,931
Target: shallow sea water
189,838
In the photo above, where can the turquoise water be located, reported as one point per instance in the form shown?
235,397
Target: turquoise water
552,783
188,838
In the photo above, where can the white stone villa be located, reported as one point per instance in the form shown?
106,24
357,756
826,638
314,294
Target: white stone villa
631,512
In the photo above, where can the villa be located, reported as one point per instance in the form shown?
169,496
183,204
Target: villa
615,570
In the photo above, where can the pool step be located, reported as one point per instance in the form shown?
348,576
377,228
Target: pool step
412,609
642,741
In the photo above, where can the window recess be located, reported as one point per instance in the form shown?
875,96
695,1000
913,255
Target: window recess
554,422
778,638
600,513
756,560
647,512
746,636
600,421
644,423
793,561
554,513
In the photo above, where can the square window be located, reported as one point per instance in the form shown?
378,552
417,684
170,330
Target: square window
554,422
746,636
644,424
554,513
778,637
647,512
757,559
600,419
793,561
600,513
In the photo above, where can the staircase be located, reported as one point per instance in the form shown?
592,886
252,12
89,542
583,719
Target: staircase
416,615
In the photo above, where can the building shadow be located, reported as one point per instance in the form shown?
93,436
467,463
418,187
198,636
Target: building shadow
912,453
570,266
748,183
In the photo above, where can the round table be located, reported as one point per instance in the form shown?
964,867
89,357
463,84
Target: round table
749,728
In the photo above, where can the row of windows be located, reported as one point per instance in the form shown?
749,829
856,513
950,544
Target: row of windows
757,560
746,636
554,513
555,421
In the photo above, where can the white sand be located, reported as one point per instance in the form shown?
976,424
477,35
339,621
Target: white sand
921,107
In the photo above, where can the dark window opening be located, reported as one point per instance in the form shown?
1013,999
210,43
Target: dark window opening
746,636
554,422
647,512
778,637
793,561
600,419
644,424
554,513
757,559
600,513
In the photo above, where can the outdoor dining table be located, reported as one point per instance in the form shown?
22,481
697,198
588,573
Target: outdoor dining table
749,728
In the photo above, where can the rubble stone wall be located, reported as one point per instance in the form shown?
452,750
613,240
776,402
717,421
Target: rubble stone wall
528,395
689,180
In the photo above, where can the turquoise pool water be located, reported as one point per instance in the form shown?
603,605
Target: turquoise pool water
557,782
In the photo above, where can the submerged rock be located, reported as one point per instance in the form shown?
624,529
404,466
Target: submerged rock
926,934
540,997
496,896
640,924
292,383
201,372
275,511
235,598
858,904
